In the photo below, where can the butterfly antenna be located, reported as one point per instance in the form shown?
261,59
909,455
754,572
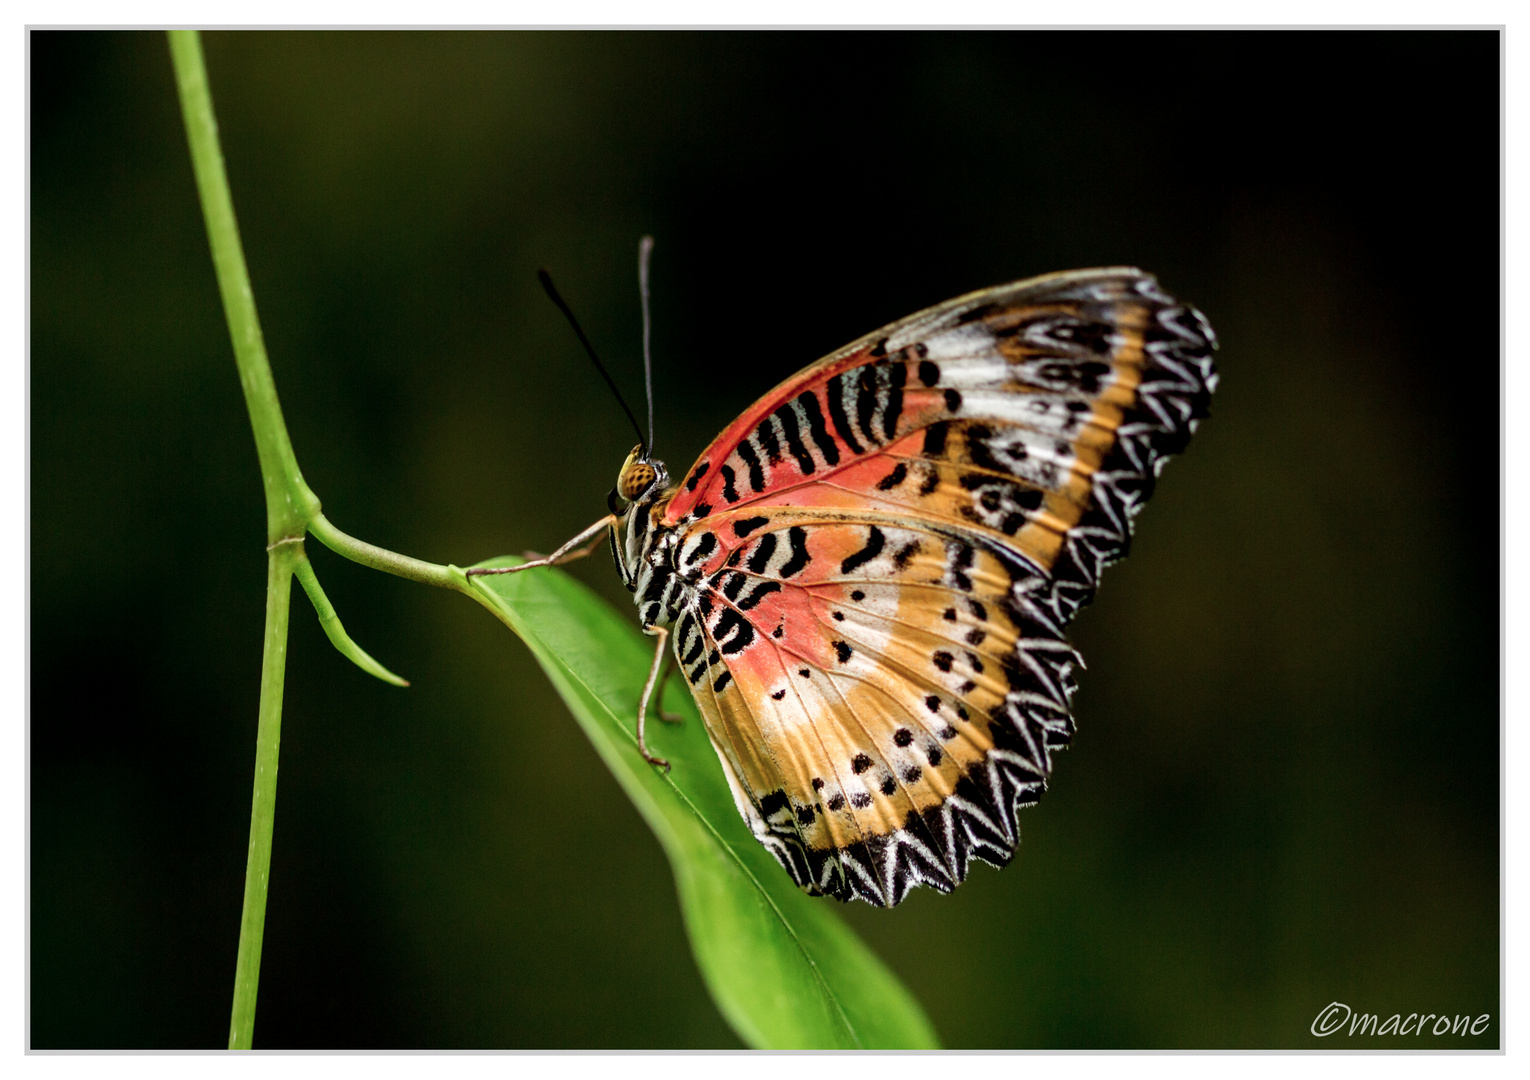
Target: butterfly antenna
645,250
552,294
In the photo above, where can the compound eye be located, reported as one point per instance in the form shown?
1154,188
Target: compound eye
611,497
636,477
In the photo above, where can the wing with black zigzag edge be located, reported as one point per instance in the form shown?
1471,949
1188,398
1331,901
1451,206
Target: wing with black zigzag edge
884,693
881,555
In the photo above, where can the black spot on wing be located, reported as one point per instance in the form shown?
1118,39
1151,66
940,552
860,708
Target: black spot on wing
796,538
929,372
705,545
729,492
894,478
696,474
935,439
733,632
748,525
758,593
897,375
751,461
816,430
978,436
764,548
734,585
787,417
770,442
875,541
836,392
866,402
961,562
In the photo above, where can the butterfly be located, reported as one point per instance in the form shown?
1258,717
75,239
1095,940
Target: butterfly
865,579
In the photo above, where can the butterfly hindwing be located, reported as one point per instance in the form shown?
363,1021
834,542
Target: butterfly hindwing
877,690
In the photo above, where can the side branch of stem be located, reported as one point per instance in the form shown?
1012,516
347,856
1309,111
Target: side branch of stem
390,562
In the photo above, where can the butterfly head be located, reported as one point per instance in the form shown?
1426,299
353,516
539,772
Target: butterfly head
639,539
642,479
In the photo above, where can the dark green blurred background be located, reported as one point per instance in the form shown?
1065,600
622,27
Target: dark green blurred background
1285,786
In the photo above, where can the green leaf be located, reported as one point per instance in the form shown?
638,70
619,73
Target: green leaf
782,967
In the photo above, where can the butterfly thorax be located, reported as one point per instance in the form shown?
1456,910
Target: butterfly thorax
642,544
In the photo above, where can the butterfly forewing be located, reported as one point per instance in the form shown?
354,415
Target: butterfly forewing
1003,411
881,555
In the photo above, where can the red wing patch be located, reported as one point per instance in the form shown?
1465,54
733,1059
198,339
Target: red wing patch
880,556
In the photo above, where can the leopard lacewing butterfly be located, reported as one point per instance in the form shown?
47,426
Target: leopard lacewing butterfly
865,579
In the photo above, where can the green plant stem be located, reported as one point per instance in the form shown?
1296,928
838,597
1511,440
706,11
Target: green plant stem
289,501
268,738
292,510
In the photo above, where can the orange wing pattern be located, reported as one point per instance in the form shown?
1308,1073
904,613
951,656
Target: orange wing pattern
881,702
876,562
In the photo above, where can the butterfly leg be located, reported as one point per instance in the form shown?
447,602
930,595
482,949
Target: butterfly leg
567,553
667,717
662,633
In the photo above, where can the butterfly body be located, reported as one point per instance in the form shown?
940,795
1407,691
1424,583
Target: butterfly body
866,577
